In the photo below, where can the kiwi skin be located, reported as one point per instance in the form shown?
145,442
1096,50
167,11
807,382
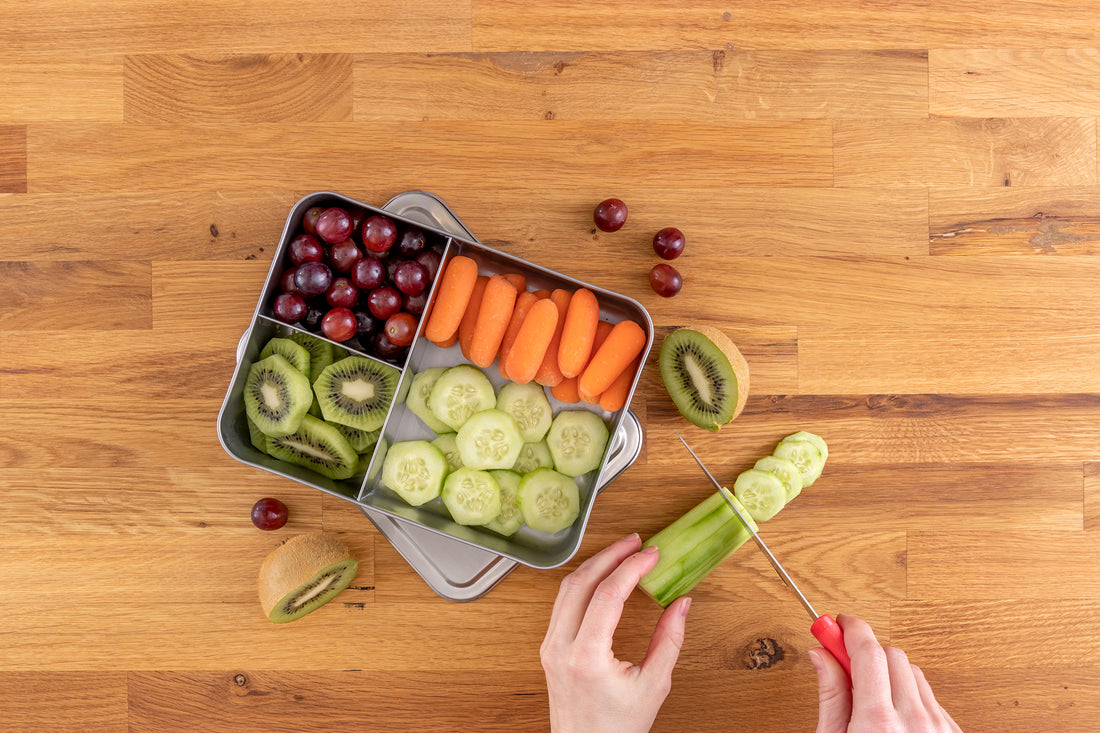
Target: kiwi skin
296,567
723,348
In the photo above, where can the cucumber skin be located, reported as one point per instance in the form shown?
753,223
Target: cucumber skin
692,546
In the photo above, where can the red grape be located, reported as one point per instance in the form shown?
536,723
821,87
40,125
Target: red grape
312,278
669,243
415,304
339,324
305,248
334,225
269,514
400,328
665,280
412,242
309,219
344,255
366,326
384,302
342,293
385,348
286,282
379,233
368,273
289,307
610,215
430,259
411,278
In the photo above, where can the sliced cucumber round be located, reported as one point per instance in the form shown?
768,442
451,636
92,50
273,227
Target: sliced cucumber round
417,399
785,471
446,443
577,440
760,492
532,456
805,455
471,496
510,518
817,440
527,403
489,439
414,470
458,393
549,500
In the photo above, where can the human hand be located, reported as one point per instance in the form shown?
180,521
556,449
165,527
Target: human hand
590,690
886,694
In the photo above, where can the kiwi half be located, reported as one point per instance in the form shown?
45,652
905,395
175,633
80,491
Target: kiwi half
317,446
705,374
321,353
303,574
276,396
356,392
289,350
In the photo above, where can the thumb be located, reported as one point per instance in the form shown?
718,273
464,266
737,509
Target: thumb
834,693
664,647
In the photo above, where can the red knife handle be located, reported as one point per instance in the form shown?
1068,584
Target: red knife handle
826,630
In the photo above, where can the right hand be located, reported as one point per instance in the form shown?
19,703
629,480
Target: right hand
886,694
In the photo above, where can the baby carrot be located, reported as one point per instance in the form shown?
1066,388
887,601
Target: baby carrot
602,329
532,342
524,301
455,288
549,373
516,279
626,341
542,293
578,332
614,397
566,390
469,318
497,304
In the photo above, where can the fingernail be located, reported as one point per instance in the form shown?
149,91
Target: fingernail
648,550
684,606
816,660
631,536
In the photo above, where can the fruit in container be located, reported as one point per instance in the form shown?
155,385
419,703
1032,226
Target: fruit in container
490,439
276,396
290,307
705,375
302,574
414,470
356,391
334,225
312,278
378,233
318,446
339,324
305,248
577,439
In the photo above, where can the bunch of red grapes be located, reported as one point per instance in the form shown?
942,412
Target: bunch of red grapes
359,278
668,243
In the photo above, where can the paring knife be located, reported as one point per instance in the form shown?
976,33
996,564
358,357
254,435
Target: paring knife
825,629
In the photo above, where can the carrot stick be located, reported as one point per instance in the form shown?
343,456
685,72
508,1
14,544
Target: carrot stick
455,289
524,301
614,397
603,328
626,341
497,304
566,390
542,293
532,342
469,318
549,374
516,279
578,333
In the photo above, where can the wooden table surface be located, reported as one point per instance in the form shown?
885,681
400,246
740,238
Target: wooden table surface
892,209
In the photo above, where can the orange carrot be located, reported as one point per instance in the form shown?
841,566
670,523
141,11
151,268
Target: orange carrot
497,304
549,374
469,318
516,279
542,293
455,288
578,333
532,342
524,301
448,342
614,397
626,341
566,390
603,328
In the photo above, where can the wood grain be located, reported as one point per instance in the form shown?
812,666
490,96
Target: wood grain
42,294
79,88
13,159
65,701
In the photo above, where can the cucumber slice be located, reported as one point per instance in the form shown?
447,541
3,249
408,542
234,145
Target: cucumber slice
510,518
817,440
805,455
785,471
471,496
527,403
549,500
577,440
417,399
532,456
489,439
447,444
761,492
458,393
414,470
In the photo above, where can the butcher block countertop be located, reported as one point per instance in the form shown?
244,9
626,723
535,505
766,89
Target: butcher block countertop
893,210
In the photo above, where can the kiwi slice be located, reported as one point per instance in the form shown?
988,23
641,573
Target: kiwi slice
303,574
292,352
276,396
317,446
705,374
256,437
357,392
360,440
321,353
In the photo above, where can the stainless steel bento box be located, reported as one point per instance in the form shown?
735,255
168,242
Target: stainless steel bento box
424,533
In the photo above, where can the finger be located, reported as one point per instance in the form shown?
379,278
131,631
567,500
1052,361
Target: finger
606,607
664,647
903,684
577,588
834,693
870,673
